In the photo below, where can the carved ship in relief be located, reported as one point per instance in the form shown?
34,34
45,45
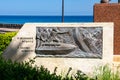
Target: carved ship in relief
55,48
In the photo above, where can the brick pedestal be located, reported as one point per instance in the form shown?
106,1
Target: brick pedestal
109,13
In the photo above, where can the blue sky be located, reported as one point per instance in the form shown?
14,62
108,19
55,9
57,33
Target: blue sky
47,7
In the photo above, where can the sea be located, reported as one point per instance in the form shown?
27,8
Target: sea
42,19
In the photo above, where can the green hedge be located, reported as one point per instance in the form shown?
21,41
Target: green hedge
25,71
5,39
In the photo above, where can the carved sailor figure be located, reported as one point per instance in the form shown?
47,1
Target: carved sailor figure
38,37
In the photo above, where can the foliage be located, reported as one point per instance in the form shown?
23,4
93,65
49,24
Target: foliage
5,39
82,76
116,75
25,71
106,73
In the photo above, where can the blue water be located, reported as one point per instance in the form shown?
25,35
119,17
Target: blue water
43,19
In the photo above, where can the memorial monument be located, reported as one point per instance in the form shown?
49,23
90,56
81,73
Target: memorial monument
81,46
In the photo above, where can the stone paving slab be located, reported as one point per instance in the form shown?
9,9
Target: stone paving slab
2,30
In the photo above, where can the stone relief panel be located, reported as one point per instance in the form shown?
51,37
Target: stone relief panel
69,42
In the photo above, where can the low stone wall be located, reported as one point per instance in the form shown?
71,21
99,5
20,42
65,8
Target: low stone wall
15,26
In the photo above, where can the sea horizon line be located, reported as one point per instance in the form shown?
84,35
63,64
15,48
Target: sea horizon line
46,15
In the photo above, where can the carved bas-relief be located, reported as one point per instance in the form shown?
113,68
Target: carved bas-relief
72,42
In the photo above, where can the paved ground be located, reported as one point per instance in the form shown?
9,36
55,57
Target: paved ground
3,30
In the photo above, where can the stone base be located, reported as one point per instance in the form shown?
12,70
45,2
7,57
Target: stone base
109,13
116,58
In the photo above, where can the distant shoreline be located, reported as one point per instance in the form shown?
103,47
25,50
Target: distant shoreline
14,26
9,27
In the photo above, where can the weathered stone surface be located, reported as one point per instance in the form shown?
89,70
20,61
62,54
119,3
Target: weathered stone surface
109,13
23,47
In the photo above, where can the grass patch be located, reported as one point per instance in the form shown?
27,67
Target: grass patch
106,73
5,40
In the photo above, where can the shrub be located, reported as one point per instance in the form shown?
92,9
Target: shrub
106,73
5,39
24,71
